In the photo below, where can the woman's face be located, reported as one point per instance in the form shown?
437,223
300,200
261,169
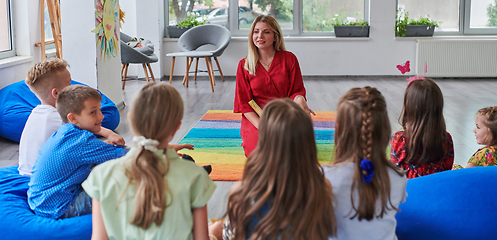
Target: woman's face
263,36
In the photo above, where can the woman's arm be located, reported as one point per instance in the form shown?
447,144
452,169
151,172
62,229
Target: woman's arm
200,229
253,118
98,231
300,100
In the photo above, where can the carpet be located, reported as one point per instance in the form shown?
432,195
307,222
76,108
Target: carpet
217,141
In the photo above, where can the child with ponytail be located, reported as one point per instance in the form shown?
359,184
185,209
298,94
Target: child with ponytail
367,187
151,193
424,146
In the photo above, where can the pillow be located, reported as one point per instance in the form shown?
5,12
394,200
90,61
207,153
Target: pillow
17,101
17,221
457,204
144,46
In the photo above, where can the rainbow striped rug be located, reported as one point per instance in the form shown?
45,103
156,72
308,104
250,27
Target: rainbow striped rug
217,141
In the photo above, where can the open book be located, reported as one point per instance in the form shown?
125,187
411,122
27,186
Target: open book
256,107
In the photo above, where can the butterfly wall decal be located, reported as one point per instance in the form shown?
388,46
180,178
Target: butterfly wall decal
404,67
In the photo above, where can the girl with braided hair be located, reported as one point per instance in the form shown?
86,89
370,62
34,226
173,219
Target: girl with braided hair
424,146
486,134
367,187
151,193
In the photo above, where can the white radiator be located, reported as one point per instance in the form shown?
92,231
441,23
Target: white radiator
457,58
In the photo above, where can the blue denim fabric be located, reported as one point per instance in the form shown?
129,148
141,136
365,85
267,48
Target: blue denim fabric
81,206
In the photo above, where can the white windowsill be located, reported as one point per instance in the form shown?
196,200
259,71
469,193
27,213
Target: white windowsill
293,38
450,37
16,60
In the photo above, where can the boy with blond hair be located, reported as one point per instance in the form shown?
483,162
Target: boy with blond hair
46,80
66,159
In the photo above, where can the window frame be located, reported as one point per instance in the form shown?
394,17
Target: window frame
464,23
12,51
297,20
467,30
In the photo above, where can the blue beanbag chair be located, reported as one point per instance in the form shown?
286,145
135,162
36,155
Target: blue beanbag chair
17,102
457,204
17,221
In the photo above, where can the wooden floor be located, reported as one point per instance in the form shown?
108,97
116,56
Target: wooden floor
463,97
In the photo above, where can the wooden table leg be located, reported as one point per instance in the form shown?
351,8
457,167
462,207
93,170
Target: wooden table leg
171,74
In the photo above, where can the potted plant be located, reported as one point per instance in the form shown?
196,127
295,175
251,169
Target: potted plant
405,27
190,21
359,28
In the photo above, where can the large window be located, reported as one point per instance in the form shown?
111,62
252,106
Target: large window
457,16
296,17
6,30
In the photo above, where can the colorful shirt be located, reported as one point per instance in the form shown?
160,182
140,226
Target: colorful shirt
485,156
283,79
189,184
63,164
398,156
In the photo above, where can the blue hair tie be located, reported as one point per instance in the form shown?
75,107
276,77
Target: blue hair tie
367,170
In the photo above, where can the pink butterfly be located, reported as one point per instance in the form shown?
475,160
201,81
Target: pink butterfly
404,67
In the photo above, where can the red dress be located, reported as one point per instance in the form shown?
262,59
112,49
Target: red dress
282,80
399,153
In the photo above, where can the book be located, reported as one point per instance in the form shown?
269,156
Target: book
256,107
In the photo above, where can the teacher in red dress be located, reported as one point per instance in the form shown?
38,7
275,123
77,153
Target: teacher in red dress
268,72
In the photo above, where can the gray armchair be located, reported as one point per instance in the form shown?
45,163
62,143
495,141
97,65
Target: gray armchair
131,55
196,37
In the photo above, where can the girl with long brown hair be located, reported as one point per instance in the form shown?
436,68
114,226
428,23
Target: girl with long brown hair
424,146
368,188
151,193
283,193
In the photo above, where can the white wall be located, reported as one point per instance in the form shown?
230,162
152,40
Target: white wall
378,55
145,21
80,50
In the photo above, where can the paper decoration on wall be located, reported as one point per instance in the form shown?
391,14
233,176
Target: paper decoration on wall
107,17
426,67
404,67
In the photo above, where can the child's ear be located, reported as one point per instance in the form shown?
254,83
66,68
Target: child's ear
54,93
71,118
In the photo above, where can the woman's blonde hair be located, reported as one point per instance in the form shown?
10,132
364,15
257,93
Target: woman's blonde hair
283,171
253,53
490,122
156,112
363,131
423,122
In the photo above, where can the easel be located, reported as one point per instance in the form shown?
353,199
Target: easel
54,13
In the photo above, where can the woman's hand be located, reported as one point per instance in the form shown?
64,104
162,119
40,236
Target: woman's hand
300,100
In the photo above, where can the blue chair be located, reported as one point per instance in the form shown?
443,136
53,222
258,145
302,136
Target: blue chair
17,101
18,221
457,204
192,40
